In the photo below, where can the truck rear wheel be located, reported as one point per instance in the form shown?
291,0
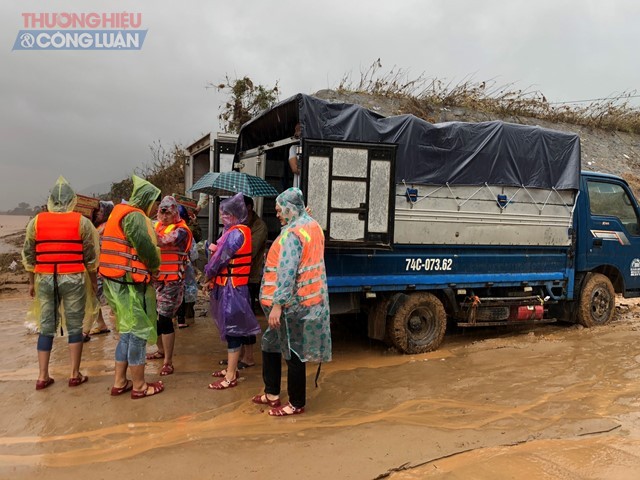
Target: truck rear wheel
597,301
418,326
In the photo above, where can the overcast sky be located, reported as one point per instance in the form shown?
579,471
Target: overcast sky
91,115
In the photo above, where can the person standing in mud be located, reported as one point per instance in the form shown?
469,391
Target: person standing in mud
228,271
100,217
174,239
60,254
190,281
129,258
258,246
295,299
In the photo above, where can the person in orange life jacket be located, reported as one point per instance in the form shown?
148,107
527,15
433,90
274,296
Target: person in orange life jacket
258,247
100,217
228,271
190,282
174,239
294,297
128,259
60,253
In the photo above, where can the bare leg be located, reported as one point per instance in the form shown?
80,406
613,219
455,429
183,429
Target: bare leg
232,365
100,323
160,344
75,351
120,379
247,354
43,362
137,375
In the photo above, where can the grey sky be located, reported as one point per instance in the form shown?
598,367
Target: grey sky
91,115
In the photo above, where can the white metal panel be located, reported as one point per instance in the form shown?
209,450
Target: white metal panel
379,196
350,162
346,226
346,194
471,216
318,189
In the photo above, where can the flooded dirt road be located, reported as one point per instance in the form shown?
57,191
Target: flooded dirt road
559,402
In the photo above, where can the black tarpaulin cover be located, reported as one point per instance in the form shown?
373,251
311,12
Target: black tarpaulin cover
457,153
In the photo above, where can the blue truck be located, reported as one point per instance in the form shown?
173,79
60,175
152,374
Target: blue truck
472,224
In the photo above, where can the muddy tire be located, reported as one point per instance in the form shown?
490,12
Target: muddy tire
597,301
418,326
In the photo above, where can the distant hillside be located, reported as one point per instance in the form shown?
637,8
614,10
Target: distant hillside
602,150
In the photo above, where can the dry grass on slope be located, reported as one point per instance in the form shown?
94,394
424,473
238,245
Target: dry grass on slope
423,97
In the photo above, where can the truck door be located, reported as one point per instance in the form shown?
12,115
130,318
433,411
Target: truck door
349,187
615,229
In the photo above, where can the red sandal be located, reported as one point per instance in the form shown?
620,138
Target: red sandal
224,384
158,387
42,384
115,391
220,373
264,400
167,369
281,412
79,380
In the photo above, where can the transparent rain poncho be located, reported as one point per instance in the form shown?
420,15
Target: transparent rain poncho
135,304
62,199
304,330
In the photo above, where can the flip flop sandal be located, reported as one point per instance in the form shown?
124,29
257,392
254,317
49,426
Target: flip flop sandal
281,412
155,356
158,387
97,331
115,391
263,400
224,384
166,370
79,380
182,325
223,362
42,384
242,365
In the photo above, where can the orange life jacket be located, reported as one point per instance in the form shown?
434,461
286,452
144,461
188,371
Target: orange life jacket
310,270
240,264
172,259
117,256
58,243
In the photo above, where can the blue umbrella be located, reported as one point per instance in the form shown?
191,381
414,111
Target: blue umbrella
230,183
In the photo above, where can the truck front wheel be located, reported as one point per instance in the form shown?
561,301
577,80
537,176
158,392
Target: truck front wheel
418,326
597,301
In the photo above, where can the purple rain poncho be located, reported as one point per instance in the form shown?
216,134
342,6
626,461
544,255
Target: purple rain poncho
230,306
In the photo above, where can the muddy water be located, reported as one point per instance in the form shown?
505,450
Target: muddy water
551,402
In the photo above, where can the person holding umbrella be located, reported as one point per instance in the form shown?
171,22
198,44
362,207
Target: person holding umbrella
228,273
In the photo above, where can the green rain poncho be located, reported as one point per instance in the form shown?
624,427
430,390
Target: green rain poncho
304,330
135,304
62,199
